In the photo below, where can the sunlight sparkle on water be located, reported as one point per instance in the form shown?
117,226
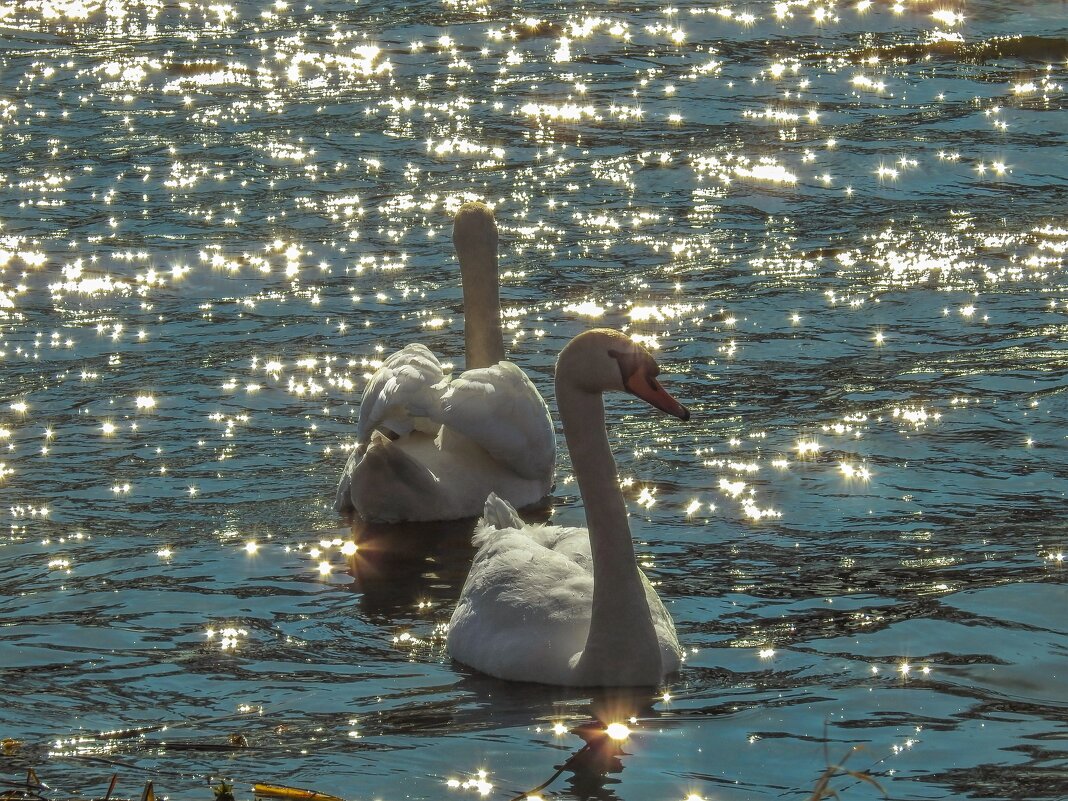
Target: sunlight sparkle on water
617,731
754,512
478,783
947,17
864,82
586,308
850,471
774,173
229,637
732,488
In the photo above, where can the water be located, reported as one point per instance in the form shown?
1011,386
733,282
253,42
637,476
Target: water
841,227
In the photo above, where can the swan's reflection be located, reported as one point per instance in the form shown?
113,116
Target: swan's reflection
612,714
592,766
397,566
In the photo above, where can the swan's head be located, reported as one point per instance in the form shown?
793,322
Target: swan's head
474,232
601,359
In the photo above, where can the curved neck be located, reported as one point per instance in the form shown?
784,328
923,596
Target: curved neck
483,337
621,633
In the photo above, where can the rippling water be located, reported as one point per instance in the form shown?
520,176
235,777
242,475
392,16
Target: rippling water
842,228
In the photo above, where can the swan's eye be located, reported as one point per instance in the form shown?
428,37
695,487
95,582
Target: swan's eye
652,369
628,366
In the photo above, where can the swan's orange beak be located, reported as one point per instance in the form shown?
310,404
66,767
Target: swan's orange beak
649,390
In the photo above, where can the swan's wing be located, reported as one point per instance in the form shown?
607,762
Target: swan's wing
567,541
402,394
496,514
670,650
524,611
499,408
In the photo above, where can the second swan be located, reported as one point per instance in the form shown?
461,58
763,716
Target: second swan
431,448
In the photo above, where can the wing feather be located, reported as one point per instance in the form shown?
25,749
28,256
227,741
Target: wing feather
522,594
402,394
500,409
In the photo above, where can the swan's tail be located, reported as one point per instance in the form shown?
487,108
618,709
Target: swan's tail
498,513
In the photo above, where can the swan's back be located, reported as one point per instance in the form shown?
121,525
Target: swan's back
500,409
524,612
449,442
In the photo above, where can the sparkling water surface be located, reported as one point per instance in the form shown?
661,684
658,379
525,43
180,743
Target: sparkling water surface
839,226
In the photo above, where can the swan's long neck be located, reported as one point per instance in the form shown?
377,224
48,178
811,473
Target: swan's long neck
483,338
622,639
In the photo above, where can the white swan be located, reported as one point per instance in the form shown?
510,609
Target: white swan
432,448
570,606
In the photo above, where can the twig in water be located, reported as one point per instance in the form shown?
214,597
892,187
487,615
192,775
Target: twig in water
823,787
29,789
555,776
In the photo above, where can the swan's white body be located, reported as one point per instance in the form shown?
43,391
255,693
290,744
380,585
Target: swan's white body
432,447
569,606
524,614
487,430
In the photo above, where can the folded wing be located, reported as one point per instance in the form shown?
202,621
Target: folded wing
498,408
404,394
525,602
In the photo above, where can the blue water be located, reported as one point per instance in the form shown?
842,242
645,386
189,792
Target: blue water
840,227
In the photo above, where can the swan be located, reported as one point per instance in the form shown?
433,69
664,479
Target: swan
432,447
561,605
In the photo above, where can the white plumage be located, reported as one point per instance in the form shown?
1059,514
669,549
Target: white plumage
449,442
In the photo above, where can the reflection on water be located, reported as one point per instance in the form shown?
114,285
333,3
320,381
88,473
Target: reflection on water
842,226
399,567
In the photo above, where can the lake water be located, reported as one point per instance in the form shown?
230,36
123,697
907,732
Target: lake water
840,226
